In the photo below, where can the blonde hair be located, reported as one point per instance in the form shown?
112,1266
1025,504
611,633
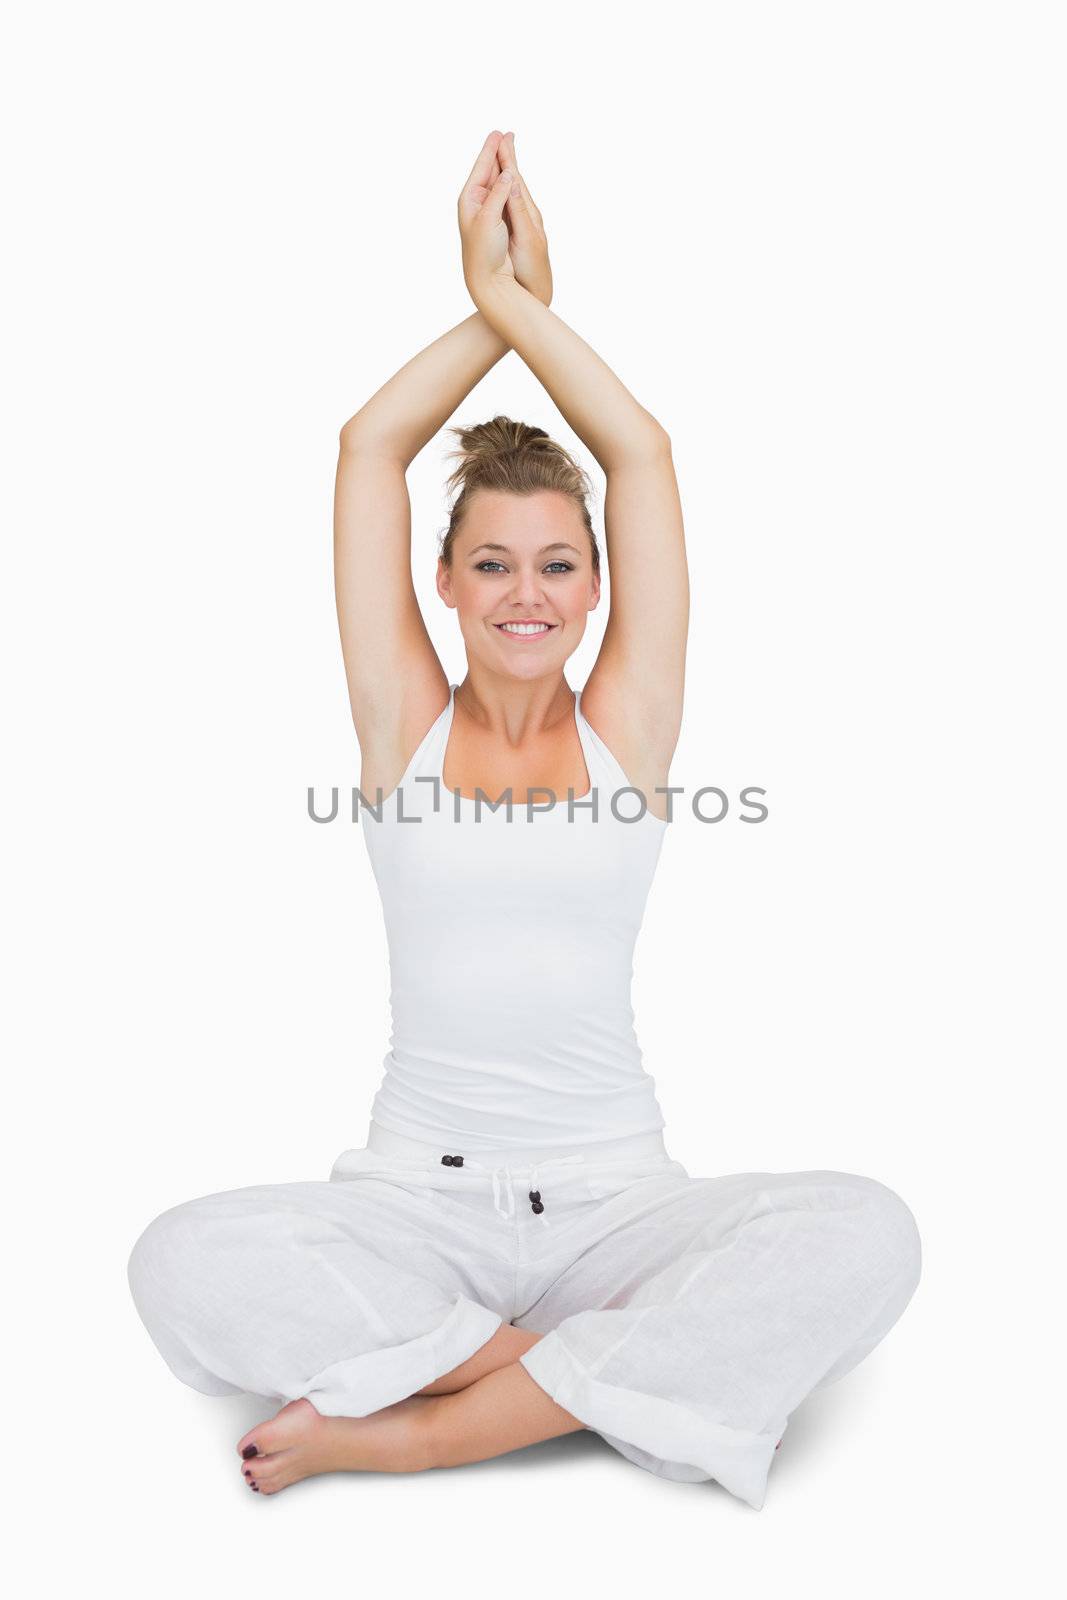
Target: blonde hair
517,459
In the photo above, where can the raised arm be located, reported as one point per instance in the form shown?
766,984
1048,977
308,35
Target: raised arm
396,682
633,696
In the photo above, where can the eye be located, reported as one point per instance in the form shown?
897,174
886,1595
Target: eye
490,565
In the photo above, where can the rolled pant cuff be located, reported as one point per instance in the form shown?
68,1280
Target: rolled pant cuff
675,1440
366,1383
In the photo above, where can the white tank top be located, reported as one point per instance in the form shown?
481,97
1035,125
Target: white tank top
511,953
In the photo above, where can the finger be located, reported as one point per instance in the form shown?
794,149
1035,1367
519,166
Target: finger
492,211
498,169
506,157
482,171
516,213
482,175
482,199
520,200
515,232
531,205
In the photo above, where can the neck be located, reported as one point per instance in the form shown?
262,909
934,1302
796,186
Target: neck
515,708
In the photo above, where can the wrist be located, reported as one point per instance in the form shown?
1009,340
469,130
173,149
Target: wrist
496,298
488,286
499,346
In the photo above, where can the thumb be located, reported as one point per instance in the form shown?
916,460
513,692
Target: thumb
496,199
517,200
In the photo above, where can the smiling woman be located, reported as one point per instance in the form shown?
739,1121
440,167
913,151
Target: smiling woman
520,543
520,566
410,1311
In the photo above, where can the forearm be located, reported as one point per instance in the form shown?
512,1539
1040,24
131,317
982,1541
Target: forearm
405,413
596,404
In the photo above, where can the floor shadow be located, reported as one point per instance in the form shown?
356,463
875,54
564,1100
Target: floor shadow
823,1417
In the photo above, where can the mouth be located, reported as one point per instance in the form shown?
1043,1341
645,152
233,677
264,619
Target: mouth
525,630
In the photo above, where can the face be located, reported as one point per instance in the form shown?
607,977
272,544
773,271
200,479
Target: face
521,581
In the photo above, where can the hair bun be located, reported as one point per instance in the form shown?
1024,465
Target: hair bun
483,442
513,458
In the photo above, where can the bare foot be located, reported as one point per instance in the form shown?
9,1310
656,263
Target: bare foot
298,1443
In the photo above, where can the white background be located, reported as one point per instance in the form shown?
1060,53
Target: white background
824,245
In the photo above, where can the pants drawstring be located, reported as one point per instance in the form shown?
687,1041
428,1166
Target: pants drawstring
503,1182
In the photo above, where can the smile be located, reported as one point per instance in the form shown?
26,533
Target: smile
524,630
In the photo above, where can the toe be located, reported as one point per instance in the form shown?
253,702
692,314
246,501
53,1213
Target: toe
248,1447
268,1474
279,1479
268,1469
284,1429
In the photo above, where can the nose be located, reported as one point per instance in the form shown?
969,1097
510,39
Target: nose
526,590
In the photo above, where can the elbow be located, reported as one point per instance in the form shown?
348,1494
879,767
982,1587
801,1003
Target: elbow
649,443
358,437
353,433
651,438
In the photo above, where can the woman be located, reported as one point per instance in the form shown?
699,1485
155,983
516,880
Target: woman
514,1254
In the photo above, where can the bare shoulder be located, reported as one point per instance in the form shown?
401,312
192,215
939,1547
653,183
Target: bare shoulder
392,723
639,722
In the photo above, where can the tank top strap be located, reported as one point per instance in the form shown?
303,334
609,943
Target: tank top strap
429,758
605,772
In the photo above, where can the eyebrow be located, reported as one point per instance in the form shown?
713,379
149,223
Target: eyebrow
559,545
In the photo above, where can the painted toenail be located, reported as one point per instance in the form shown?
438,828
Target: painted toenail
249,1451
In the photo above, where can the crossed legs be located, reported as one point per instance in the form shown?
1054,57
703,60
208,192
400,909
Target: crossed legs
485,1407
507,1345
813,1268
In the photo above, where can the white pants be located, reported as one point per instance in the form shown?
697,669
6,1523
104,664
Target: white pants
684,1318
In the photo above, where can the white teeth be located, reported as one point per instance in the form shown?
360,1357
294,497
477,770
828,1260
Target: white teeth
525,627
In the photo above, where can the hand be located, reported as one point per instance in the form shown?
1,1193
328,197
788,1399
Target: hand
500,226
528,246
